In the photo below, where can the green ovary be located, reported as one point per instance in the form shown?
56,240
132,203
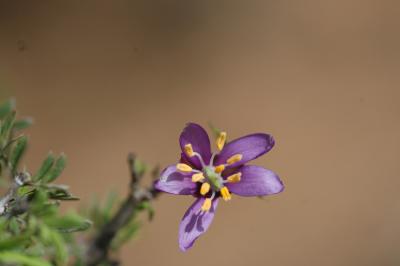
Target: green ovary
213,178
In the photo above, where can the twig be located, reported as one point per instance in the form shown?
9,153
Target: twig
99,249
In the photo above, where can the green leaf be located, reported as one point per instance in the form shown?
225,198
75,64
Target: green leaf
14,242
60,247
59,192
56,170
13,226
46,166
68,223
3,223
17,152
21,259
109,204
6,127
40,206
25,190
54,239
37,249
95,213
23,124
7,107
32,223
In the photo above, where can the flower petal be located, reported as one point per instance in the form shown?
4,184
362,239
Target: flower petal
250,147
256,181
195,135
175,182
194,223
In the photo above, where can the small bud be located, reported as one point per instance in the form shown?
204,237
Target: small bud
22,178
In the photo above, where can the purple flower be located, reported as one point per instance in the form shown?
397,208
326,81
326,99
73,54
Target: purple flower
209,176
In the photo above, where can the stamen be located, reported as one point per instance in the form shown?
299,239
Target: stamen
205,187
212,159
234,159
234,178
220,168
206,205
197,177
184,167
200,158
226,195
221,140
189,150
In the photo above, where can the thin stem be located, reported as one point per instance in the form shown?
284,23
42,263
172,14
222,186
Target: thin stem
98,251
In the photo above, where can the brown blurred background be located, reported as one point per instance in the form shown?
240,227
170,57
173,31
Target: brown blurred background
102,78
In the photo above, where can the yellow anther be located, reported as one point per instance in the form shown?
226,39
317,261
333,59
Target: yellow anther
226,195
197,177
205,187
234,178
220,168
221,140
234,159
184,167
206,205
189,150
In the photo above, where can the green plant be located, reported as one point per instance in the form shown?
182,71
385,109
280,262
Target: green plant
34,232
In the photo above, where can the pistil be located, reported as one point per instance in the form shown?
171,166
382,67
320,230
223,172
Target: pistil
212,177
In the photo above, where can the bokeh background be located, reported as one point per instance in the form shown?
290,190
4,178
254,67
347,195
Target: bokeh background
102,78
